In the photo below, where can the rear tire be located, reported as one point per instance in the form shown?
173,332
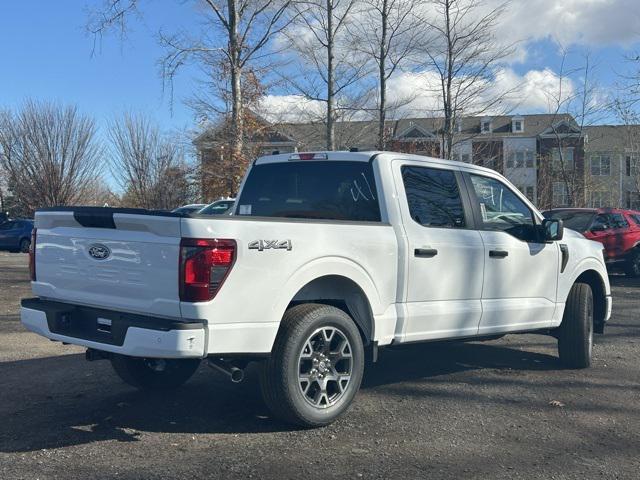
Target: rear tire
632,265
316,366
575,334
25,243
154,373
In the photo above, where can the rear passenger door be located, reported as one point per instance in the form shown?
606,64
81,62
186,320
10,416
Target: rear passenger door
445,254
521,271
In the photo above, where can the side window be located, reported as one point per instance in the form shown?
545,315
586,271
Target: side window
601,222
433,197
618,221
501,209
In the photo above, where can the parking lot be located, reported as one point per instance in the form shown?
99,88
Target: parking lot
499,409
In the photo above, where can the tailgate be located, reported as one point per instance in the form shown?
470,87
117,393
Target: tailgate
116,259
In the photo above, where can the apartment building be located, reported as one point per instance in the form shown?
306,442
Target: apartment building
613,166
548,157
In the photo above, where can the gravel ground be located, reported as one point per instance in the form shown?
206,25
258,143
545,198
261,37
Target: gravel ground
500,409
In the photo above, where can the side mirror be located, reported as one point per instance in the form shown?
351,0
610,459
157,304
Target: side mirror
553,229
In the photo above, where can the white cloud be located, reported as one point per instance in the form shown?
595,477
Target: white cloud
535,91
417,95
290,108
593,23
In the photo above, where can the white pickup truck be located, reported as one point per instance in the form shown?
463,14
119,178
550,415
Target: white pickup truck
327,257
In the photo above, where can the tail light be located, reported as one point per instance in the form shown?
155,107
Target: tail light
32,256
204,266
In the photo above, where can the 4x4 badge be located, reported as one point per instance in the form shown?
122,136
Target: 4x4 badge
261,245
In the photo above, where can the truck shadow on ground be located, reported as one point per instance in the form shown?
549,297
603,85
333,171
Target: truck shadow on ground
62,401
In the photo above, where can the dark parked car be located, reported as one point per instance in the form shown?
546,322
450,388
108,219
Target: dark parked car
218,207
15,235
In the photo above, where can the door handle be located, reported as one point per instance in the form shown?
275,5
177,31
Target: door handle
498,253
425,252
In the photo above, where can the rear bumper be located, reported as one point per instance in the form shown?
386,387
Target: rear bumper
116,332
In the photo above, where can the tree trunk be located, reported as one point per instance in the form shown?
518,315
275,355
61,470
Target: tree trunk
237,124
330,79
448,109
382,107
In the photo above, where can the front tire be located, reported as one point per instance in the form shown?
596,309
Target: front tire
316,366
154,373
575,335
632,265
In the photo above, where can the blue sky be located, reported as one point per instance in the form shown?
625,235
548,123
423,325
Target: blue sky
46,53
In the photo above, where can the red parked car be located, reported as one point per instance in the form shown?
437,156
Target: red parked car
618,230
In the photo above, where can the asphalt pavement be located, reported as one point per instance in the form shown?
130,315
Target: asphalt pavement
490,410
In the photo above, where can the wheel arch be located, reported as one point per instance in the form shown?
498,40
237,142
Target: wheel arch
343,293
594,279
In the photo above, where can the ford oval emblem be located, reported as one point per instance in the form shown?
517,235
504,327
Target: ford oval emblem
99,251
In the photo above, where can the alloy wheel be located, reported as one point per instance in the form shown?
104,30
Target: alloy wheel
325,364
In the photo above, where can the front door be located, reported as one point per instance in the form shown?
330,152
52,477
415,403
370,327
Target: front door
445,254
521,271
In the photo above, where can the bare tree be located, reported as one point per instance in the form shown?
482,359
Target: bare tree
626,107
573,109
49,153
235,34
387,32
465,54
148,168
328,68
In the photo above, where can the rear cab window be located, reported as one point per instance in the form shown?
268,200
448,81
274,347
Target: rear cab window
329,190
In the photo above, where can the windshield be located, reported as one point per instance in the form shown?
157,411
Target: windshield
311,189
578,221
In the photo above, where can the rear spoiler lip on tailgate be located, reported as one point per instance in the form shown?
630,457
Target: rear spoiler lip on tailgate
102,217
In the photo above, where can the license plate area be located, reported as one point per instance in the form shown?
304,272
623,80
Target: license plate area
88,324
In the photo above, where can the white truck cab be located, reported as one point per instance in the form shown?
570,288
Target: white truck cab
327,257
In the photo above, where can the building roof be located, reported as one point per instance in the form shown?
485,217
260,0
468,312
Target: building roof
613,138
364,133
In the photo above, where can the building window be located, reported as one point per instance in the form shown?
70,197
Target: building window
599,199
600,165
633,200
527,191
465,157
562,158
530,193
530,158
520,159
490,162
631,165
486,126
517,126
560,194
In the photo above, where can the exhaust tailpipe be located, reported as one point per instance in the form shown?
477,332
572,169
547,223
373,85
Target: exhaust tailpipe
234,373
